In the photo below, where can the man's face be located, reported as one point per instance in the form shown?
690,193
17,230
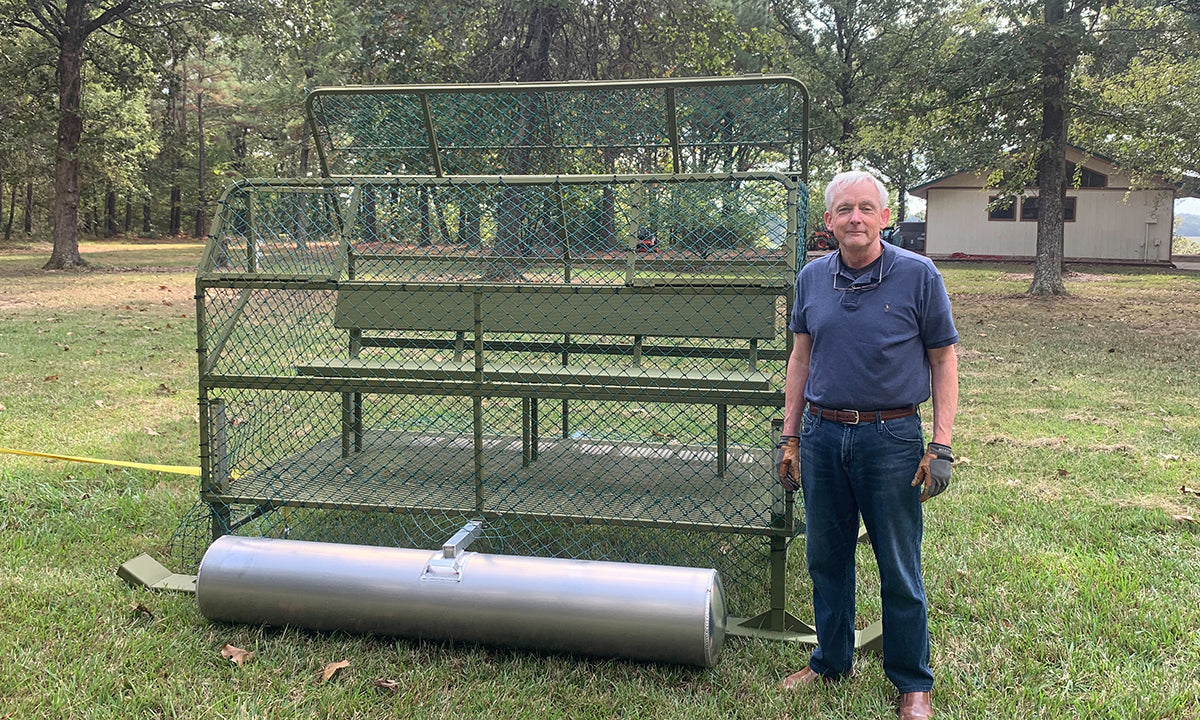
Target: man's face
855,217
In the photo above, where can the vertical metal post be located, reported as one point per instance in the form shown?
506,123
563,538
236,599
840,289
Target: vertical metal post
477,399
533,429
779,617
347,422
784,519
218,465
722,439
352,404
526,432
563,236
251,237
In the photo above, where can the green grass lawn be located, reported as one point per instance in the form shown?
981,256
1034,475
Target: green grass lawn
1062,566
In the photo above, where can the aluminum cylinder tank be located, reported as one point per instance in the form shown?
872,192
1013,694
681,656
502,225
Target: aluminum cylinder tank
645,612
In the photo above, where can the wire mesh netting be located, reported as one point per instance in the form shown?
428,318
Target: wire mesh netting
591,364
718,124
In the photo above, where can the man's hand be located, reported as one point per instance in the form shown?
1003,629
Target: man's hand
934,471
787,463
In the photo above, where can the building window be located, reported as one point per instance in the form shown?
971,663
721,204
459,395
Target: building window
1001,211
1029,208
1087,178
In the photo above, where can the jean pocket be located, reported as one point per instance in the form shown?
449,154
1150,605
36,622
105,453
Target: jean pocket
905,430
809,425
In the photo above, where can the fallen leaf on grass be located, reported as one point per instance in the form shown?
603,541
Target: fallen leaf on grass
50,378
163,391
1185,519
332,668
150,431
1183,489
389,685
237,655
142,611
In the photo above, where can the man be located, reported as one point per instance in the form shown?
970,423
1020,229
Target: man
873,338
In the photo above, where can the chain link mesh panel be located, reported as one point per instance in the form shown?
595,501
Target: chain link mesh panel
592,364
680,126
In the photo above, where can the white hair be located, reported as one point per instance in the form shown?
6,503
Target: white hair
853,177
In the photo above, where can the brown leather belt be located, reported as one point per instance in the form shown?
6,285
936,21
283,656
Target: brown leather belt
854,417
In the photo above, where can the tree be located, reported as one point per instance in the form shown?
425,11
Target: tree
1061,52
1085,58
1141,88
26,116
67,25
871,66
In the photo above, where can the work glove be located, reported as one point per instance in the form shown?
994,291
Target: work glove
933,474
787,463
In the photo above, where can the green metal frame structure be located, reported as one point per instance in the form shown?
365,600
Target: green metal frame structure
556,307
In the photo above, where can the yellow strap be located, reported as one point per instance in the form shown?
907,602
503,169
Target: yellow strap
180,469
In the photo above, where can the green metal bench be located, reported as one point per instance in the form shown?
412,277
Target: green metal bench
548,368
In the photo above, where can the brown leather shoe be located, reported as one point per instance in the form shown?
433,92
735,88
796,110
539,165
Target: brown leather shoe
915,706
802,679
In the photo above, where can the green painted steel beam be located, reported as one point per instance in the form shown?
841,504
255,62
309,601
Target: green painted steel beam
145,571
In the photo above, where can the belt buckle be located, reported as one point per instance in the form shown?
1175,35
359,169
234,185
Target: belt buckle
857,417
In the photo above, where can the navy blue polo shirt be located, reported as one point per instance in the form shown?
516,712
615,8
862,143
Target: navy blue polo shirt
870,331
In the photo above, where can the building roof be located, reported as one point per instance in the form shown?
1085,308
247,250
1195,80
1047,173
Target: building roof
978,178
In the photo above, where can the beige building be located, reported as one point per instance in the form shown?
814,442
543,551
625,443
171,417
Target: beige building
1107,219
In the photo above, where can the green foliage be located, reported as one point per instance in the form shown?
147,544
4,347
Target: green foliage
913,89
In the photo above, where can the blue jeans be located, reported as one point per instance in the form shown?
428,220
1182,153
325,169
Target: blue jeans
867,469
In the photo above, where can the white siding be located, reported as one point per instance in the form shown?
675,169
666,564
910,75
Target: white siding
1111,224
956,221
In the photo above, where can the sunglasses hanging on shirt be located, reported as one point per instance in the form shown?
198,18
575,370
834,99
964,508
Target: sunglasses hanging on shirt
851,290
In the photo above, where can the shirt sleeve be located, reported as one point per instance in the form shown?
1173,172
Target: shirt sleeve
797,323
937,322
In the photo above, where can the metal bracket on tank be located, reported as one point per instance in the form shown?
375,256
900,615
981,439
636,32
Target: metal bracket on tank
447,567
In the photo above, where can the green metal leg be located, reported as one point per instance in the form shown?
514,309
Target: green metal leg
477,412
533,429
777,623
526,432
358,426
722,439
347,422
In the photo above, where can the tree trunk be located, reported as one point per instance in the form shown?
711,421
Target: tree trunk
28,224
177,121
425,231
305,128
439,209
127,224
110,213
469,218
146,217
176,223
1052,162
608,218
12,210
65,216
201,159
